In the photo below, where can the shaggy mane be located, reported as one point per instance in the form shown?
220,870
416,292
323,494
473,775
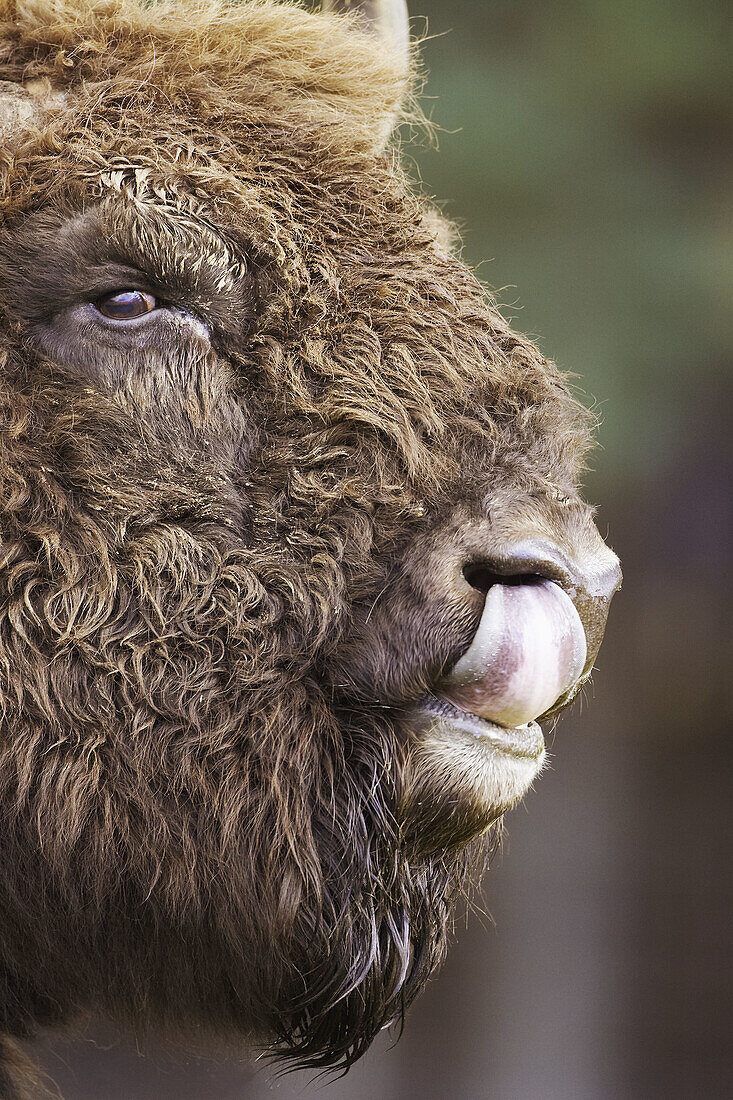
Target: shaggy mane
290,66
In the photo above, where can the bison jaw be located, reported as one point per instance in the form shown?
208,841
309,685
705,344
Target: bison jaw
477,735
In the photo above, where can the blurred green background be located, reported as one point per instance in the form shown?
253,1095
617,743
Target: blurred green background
586,150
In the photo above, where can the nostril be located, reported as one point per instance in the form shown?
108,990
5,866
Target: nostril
482,577
525,562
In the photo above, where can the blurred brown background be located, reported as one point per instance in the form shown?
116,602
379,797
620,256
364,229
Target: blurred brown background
586,151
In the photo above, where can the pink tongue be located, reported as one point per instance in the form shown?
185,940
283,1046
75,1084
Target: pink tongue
528,650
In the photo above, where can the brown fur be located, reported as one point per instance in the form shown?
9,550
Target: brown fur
215,602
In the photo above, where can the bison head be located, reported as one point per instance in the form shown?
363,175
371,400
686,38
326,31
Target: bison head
292,554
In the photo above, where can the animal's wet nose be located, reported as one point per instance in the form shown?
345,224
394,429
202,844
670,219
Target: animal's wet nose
589,577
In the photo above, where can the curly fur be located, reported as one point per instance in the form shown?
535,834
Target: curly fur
215,605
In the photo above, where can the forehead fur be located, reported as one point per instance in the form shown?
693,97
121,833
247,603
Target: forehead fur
290,67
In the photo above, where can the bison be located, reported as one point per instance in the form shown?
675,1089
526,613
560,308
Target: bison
292,552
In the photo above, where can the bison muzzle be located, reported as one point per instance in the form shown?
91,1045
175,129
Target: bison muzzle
293,562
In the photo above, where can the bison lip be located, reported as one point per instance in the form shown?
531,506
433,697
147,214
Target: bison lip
524,740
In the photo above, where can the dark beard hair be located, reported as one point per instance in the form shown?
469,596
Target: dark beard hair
382,929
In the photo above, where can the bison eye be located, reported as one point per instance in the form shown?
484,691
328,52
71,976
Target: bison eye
125,305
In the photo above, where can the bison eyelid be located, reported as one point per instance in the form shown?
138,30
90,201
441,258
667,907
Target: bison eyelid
88,313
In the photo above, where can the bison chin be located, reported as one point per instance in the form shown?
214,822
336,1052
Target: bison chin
459,781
